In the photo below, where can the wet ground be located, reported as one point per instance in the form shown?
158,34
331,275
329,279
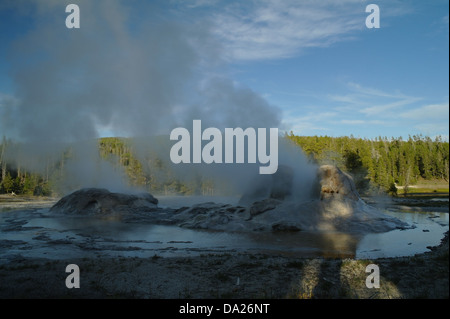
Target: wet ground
34,232
118,260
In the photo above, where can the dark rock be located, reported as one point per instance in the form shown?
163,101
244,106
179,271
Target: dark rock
263,206
283,227
97,201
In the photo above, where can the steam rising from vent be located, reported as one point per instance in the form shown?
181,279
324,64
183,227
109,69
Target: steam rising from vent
126,77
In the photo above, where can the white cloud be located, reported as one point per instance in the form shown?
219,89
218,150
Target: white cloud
372,92
199,3
431,119
381,108
373,109
308,123
348,99
316,116
353,122
307,128
432,128
273,29
372,102
428,112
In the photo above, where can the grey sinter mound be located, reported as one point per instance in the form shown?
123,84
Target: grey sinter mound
334,205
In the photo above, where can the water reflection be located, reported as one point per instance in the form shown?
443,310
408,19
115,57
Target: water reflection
55,237
308,244
430,229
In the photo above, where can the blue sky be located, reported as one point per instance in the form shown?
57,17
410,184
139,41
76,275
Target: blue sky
315,61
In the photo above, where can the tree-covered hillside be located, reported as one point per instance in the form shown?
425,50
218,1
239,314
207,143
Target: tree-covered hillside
378,164
382,162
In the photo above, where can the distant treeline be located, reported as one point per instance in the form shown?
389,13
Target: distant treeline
382,163
378,164
15,179
147,172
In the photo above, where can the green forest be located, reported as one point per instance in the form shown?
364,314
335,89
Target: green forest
379,165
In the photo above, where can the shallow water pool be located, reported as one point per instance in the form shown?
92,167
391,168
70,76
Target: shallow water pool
37,233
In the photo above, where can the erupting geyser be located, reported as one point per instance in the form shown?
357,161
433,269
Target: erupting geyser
333,205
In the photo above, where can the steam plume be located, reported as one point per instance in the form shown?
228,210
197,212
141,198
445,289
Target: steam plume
131,77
